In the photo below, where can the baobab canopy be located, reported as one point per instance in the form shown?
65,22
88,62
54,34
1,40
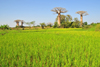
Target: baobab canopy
17,20
82,12
59,10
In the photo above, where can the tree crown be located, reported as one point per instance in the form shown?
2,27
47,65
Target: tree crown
59,10
82,13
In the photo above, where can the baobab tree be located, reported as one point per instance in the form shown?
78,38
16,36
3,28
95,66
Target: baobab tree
82,13
17,21
22,23
59,10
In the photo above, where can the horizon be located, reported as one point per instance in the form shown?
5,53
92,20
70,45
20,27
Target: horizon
40,11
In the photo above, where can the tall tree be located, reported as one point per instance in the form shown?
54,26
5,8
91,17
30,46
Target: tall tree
17,21
82,13
59,10
62,18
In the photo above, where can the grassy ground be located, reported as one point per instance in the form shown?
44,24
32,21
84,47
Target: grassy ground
58,47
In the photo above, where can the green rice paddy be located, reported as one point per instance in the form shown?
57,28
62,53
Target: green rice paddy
49,48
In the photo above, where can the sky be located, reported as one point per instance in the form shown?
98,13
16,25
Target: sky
40,10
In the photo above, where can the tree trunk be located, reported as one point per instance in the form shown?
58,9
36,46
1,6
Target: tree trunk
81,21
17,23
59,19
21,23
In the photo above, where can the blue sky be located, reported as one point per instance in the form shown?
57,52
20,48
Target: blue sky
40,10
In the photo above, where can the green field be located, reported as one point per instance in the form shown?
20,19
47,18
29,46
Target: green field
49,48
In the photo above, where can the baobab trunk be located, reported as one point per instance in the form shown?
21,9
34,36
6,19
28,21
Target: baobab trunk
81,21
17,23
59,19
22,23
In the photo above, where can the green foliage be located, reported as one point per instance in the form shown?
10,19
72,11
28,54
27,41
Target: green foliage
49,24
38,26
62,18
85,23
97,27
69,18
30,23
76,23
50,48
65,18
66,22
4,27
87,27
55,25
65,25
43,25
93,24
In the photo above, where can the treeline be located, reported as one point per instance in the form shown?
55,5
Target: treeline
67,22
5,26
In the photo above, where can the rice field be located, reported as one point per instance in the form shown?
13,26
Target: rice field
49,48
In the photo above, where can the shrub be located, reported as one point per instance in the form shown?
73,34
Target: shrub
97,27
85,23
42,25
55,25
4,27
87,26
49,24
38,26
75,25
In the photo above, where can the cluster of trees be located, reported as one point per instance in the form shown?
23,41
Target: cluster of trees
4,27
31,24
60,10
66,22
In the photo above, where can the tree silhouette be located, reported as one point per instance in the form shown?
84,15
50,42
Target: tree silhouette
82,13
17,21
59,10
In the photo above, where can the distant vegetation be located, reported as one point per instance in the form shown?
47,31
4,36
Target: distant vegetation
3,27
92,27
64,24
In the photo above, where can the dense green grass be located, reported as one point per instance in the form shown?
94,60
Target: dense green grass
50,48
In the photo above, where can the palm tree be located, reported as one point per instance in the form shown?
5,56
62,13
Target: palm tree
59,10
82,13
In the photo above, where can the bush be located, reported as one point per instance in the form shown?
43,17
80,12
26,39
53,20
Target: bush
87,26
97,27
49,24
4,27
75,25
37,26
43,25
85,23
55,25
